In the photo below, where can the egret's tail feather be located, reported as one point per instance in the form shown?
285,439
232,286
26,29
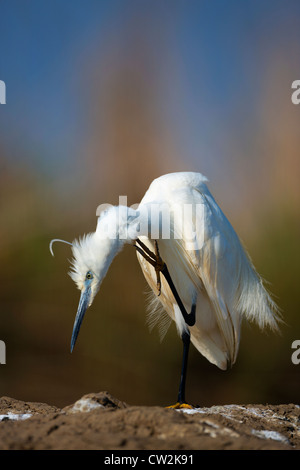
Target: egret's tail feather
256,303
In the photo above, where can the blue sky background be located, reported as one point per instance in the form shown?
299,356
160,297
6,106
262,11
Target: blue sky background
210,77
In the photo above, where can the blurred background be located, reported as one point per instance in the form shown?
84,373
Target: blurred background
102,97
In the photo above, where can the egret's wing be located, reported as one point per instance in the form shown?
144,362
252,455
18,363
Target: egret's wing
226,272
213,265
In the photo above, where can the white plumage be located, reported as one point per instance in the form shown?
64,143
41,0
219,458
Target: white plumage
220,272
210,270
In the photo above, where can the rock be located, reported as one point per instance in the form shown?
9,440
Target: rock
94,400
10,405
100,421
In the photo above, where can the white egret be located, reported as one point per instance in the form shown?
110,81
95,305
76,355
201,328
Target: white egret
198,272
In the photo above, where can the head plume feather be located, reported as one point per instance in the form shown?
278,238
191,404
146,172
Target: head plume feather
57,240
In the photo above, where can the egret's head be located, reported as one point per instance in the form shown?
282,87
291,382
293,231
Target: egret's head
92,256
89,256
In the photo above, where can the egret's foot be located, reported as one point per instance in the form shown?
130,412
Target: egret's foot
180,406
153,258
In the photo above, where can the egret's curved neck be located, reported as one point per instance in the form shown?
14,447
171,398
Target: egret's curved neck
114,229
118,223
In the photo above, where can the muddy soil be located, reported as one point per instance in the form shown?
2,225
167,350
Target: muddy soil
100,421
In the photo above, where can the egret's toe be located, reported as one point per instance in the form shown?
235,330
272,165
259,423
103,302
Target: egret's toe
179,406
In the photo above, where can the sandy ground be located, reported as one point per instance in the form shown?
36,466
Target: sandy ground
100,421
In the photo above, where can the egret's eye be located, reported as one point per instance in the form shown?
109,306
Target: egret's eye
89,275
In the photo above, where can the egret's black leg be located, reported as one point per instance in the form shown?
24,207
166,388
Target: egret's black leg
154,259
186,345
189,318
160,266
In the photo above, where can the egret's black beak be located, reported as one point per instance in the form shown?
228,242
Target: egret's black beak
82,307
